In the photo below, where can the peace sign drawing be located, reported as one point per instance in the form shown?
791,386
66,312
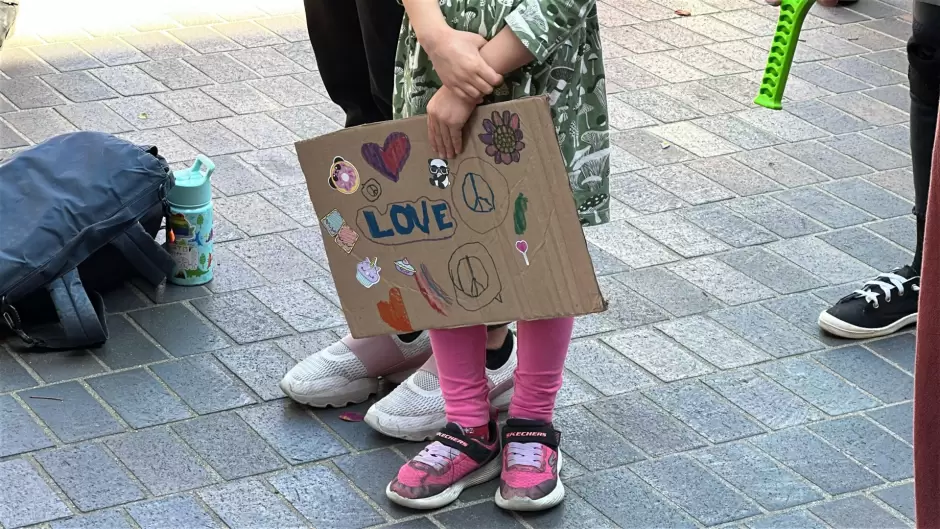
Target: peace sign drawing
482,202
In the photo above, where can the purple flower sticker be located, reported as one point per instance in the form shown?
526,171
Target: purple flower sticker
503,137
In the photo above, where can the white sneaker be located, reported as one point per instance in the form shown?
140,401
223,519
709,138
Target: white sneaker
348,371
414,411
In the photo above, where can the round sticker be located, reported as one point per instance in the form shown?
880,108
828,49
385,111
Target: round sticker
343,176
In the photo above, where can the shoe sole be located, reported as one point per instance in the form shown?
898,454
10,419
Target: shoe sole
550,500
487,472
355,392
837,327
423,428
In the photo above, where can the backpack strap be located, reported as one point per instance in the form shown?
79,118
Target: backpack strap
81,316
147,257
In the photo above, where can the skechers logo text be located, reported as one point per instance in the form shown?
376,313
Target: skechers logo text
526,434
461,442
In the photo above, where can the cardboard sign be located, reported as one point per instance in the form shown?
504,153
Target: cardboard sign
417,242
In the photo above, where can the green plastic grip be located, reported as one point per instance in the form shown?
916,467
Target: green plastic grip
782,49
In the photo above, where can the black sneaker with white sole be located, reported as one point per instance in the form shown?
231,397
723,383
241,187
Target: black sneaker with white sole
882,306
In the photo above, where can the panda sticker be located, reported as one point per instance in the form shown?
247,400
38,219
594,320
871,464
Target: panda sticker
440,174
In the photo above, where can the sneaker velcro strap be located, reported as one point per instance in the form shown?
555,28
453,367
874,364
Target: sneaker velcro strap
545,435
458,441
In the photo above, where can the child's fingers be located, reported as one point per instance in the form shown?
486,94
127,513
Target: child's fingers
482,86
432,133
460,92
456,141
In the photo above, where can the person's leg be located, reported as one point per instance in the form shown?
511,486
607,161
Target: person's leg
531,459
380,24
338,45
889,303
465,453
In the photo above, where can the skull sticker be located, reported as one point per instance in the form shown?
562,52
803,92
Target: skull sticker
440,174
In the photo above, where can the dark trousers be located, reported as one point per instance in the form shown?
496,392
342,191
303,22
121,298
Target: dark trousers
923,51
354,42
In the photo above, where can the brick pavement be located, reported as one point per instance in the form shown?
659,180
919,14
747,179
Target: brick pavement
704,397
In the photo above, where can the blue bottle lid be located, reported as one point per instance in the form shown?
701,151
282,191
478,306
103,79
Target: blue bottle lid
192,189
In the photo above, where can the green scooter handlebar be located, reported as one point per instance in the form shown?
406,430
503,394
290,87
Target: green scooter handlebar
782,49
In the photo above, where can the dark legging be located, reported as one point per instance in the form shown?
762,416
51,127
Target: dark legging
923,51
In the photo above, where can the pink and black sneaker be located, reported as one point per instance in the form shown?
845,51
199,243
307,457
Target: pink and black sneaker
447,466
531,463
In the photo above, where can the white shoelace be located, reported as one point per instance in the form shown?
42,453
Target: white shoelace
525,454
436,455
887,283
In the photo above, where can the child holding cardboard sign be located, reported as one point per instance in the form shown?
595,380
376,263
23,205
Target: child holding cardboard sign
537,47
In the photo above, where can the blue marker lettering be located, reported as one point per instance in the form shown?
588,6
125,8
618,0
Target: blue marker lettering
374,230
440,211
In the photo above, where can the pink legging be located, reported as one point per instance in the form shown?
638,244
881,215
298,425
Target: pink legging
461,365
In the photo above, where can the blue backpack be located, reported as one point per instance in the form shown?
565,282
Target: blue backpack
70,209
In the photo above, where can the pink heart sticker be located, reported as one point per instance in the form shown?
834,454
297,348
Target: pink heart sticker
522,246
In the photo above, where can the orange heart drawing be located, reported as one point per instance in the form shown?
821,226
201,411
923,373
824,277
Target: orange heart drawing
393,312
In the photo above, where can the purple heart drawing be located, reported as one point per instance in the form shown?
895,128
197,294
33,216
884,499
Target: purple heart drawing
390,158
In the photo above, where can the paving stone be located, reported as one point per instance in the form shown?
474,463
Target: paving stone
758,476
695,139
299,346
898,349
129,80
869,197
323,283
721,281
144,112
870,373
315,491
641,195
871,110
658,355
232,448
90,477
204,40
160,461
70,412
894,59
899,419
260,130
276,260
681,236
628,501
868,444
899,230
29,435
248,505
658,105
802,311
294,201
171,513
371,472
691,487
868,151
701,98
79,87
279,165
232,176
304,121
786,126
629,245
619,71
766,330
825,160
712,342
203,384
56,366
827,117
634,40
65,57
300,306
97,520
267,62
856,512
734,176
649,148
292,431
707,61
823,76
592,443
897,96
801,519
242,317
575,391
27,498
94,116
822,260
895,136
701,408
138,398
193,105
738,132
867,247
112,51
771,270
823,207
175,74
673,34
12,374
260,366
780,167
833,45
818,387
221,68
574,513
739,88
178,330
626,308
248,34
900,498
898,181
40,124
645,425
236,274
862,36
291,28
623,116
480,515
211,138
172,147
158,46
751,56
670,291
9,138
764,400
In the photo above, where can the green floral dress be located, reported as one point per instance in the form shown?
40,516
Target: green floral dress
564,36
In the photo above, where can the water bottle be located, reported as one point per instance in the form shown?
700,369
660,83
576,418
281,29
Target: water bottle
189,226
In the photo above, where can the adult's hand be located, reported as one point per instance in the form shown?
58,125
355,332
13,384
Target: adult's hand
457,61
447,115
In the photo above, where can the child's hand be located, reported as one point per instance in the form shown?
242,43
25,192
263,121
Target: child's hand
447,115
457,61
